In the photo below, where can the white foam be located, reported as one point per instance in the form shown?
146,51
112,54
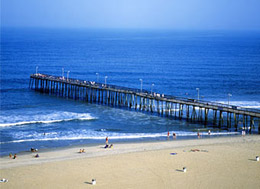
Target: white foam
93,135
44,119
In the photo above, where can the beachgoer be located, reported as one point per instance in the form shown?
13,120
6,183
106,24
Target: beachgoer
209,132
83,150
80,151
168,134
106,146
37,155
174,135
198,134
111,146
10,155
107,140
14,156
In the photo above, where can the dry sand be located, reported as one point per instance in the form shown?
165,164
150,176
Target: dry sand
227,162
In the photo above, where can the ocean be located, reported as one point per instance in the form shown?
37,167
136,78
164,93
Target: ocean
176,62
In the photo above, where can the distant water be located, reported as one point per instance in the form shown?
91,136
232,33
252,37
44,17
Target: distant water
177,62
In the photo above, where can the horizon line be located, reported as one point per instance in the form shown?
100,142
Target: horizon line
131,28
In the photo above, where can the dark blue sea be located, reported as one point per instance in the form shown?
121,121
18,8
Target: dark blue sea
176,62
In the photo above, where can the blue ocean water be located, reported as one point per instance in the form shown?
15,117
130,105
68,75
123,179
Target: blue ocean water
176,62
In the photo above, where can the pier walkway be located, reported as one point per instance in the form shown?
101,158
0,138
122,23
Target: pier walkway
205,112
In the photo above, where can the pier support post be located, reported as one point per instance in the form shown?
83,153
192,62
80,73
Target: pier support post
151,106
162,106
244,122
140,103
220,119
175,110
228,120
136,101
180,111
258,125
187,112
206,116
131,100
158,107
215,117
193,116
251,124
170,109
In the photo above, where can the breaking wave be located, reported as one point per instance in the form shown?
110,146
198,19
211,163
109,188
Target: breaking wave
43,119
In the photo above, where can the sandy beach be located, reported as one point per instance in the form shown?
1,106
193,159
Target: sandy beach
226,162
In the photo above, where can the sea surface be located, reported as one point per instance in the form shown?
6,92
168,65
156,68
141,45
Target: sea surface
176,62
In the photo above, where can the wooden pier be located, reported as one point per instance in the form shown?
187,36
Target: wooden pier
204,112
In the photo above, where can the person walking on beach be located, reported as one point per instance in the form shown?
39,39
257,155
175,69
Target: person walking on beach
168,134
174,135
198,134
106,140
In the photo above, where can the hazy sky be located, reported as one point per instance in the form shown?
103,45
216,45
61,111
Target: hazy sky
158,14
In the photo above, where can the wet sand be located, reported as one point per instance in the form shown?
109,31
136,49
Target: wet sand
226,162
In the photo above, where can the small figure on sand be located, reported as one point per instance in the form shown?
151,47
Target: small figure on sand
168,134
109,146
174,135
81,150
106,140
10,155
34,149
14,156
209,132
3,180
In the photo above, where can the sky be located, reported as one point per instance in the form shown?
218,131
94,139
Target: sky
142,14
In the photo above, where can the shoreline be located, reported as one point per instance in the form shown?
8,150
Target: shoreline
159,140
98,150
126,141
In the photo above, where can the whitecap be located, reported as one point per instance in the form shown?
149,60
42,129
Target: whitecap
48,118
